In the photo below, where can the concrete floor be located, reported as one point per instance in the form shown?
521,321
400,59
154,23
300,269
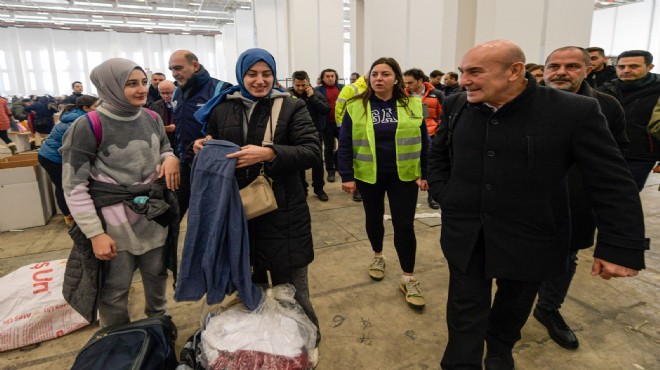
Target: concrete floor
367,325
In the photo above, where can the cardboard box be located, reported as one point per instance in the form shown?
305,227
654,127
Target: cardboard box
21,139
25,193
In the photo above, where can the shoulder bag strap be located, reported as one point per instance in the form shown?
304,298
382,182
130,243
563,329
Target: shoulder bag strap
272,123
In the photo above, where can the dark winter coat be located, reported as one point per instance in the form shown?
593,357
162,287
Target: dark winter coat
18,110
317,106
282,239
583,218
598,79
185,102
507,179
638,105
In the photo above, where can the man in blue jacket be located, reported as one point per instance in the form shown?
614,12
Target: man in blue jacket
196,87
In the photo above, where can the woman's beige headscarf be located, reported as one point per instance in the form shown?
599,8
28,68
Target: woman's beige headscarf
109,78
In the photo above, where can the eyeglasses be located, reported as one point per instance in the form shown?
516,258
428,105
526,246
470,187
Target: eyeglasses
537,75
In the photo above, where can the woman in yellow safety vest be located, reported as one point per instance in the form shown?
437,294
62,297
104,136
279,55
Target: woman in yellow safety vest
382,150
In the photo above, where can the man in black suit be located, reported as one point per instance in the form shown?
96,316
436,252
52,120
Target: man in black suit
497,167
566,69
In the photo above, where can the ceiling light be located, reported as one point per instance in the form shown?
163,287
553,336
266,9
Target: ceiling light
149,31
5,16
135,6
58,24
69,19
194,4
245,7
171,9
9,21
30,17
42,13
66,28
105,5
97,16
145,19
185,33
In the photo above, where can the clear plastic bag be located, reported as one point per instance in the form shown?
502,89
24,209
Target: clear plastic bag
276,335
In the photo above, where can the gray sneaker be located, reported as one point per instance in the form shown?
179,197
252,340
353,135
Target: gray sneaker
377,268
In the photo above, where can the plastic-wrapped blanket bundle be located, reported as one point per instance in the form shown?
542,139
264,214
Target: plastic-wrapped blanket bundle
275,336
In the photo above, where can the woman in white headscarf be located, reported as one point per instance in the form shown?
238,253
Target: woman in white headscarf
127,148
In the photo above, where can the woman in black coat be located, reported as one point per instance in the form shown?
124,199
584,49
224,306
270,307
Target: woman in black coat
280,241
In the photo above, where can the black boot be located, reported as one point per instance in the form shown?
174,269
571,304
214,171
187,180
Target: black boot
558,330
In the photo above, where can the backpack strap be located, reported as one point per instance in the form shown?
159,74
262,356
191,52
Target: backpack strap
454,113
152,113
95,125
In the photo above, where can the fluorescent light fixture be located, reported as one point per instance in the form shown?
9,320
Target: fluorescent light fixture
170,25
42,13
5,16
69,19
24,6
145,19
97,16
107,29
82,3
149,31
148,28
185,33
205,26
245,7
66,28
189,21
29,17
214,12
194,4
58,24
160,8
10,21
111,21
134,6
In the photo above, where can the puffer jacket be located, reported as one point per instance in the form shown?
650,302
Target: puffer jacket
5,113
282,239
51,146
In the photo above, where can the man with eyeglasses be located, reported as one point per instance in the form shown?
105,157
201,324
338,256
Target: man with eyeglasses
164,108
638,90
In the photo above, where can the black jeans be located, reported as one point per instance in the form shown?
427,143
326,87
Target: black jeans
5,137
317,173
54,171
471,319
183,192
330,133
553,292
402,196
640,169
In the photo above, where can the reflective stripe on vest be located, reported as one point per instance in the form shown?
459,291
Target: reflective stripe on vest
408,139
